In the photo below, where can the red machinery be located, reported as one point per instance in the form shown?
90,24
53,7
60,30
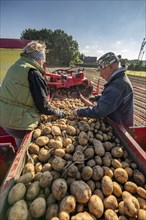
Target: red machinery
68,82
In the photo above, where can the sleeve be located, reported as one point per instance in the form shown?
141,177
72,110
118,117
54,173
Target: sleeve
110,101
39,92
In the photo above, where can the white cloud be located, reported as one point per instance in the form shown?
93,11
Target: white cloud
126,48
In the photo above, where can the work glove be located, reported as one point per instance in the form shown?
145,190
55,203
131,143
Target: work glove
92,98
60,114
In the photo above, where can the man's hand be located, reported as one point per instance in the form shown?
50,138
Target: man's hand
92,98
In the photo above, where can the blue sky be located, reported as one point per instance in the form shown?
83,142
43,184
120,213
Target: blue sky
98,26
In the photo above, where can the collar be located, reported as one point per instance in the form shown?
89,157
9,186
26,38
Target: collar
120,69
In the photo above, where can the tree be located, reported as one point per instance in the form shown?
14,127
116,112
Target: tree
62,49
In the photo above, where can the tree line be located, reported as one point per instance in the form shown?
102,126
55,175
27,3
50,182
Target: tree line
63,50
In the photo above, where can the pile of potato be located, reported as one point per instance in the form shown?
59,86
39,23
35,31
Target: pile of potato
77,169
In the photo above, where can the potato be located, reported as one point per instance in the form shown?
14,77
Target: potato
72,171
82,216
46,167
95,206
59,152
108,145
98,147
120,175
59,188
16,193
69,148
86,173
33,148
44,155
56,144
56,130
142,202
52,211
81,191
106,161
122,217
141,214
38,167
18,211
29,167
50,199
107,185
130,187
71,130
33,190
25,178
97,173
67,141
83,138
121,208
68,204
131,206
107,171
110,214
64,215
141,192
99,193
38,207
138,177
117,152
36,133
46,179
110,202
58,163
42,141
116,163
117,190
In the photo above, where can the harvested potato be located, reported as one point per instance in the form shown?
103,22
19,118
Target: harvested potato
131,206
38,167
18,211
46,179
81,191
130,187
46,167
110,214
98,147
83,138
52,211
110,202
121,208
28,168
117,190
56,130
82,216
107,185
42,141
16,193
99,193
120,175
33,191
142,202
37,133
95,206
139,178
38,207
56,144
67,141
97,173
33,148
86,173
117,152
44,155
64,215
25,178
59,188
68,204
58,163
141,214
141,192
71,130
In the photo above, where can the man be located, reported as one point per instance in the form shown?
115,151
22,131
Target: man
23,93
116,101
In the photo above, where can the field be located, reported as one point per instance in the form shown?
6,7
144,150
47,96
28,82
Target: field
138,79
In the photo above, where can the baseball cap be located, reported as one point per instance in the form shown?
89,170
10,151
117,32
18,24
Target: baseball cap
106,60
